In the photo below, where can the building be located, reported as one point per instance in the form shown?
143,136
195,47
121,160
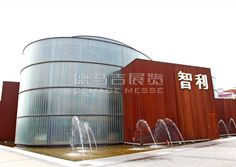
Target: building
8,110
66,77
227,94
118,91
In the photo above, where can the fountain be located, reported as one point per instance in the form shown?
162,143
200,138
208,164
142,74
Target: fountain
232,129
161,132
175,133
81,134
223,130
83,137
143,132
167,131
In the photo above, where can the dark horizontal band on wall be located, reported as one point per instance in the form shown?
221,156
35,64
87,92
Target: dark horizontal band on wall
71,115
70,61
71,87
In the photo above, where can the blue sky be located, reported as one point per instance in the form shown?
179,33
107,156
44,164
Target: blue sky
200,33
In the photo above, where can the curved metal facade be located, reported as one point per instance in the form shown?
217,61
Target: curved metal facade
66,77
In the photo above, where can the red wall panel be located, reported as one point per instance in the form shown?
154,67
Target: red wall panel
226,110
8,110
193,111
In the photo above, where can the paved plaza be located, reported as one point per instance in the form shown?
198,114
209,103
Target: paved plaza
220,152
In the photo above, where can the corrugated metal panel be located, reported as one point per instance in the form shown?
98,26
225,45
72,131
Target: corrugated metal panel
189,109
8,110
226,111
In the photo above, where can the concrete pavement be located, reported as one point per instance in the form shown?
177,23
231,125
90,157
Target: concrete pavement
221,152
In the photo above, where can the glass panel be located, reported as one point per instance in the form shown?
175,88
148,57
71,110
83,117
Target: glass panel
56,130
69,101
79,50
66,74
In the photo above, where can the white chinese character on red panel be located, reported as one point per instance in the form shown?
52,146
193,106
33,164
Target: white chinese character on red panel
136,78
201,81
155,79
185,80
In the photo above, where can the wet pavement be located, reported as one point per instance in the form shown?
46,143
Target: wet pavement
217,153
102,151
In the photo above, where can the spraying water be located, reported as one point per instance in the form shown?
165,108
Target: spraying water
231,121
177,129
142,124
221,122
81,131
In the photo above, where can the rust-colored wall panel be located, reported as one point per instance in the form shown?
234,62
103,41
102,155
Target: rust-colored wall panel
189,109
226,111
213,122
8,110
